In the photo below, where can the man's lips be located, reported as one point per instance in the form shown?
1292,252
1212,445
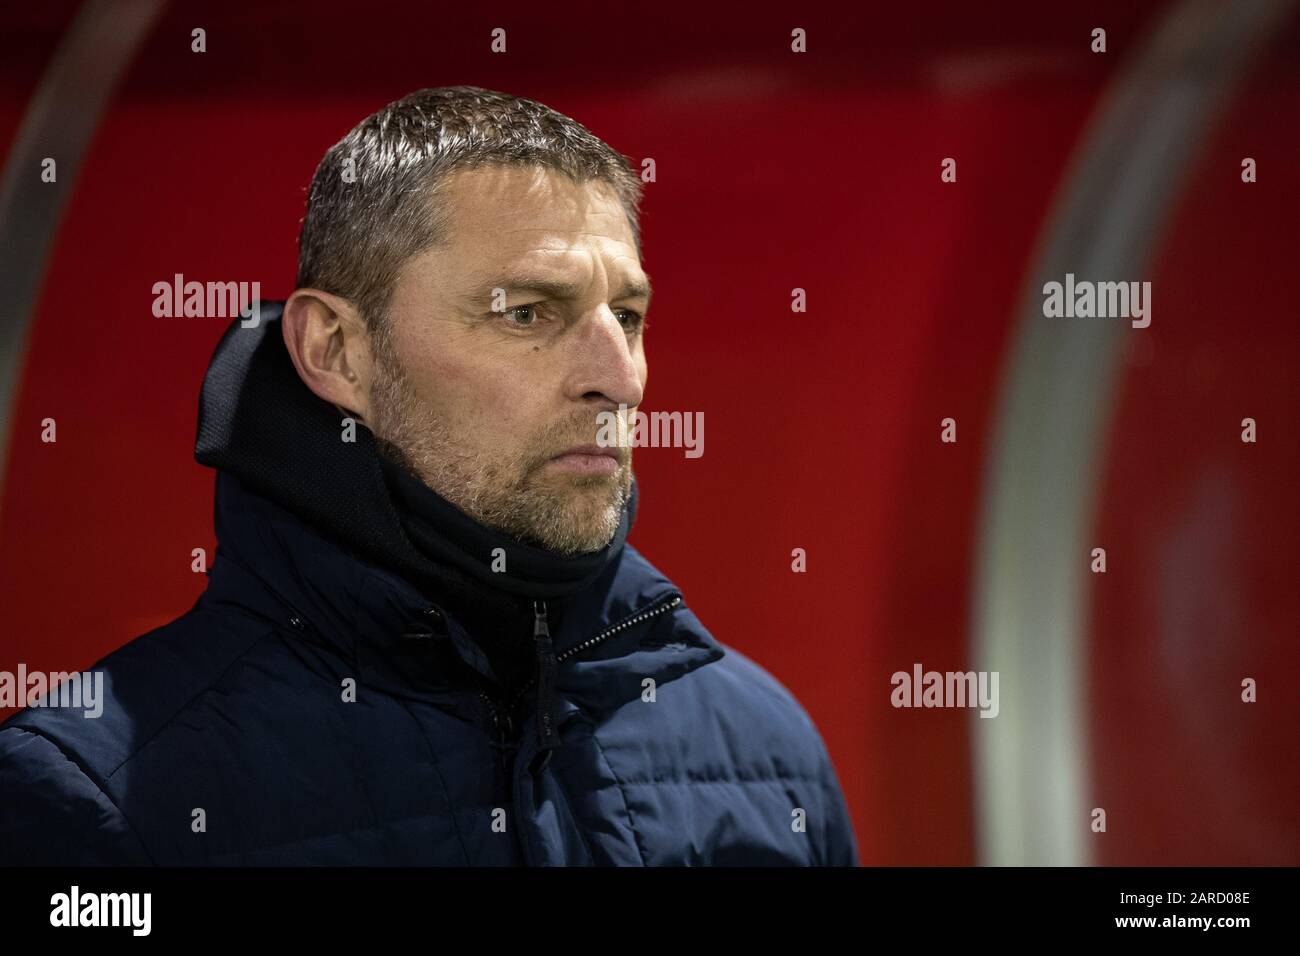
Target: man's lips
608,452
588,460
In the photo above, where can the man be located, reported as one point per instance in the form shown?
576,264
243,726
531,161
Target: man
424,638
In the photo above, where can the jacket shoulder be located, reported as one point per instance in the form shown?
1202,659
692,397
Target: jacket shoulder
145,684
781,729
58,763
777,722
765,733
53,814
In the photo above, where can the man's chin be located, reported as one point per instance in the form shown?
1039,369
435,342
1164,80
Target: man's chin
575,514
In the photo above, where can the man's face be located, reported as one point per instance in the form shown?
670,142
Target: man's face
483,402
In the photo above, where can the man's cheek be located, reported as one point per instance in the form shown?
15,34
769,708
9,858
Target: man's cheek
510,429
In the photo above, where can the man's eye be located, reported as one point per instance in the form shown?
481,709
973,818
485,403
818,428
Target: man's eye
631,319
522,315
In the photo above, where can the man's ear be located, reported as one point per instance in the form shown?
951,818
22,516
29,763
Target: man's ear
328,342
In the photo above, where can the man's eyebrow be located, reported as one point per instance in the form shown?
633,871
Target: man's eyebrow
552,288
638,288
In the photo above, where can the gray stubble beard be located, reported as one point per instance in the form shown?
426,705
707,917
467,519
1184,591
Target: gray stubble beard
522,506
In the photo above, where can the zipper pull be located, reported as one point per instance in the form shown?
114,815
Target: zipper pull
502,729
547,736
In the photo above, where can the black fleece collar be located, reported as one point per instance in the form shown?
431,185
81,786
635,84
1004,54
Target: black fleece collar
446,535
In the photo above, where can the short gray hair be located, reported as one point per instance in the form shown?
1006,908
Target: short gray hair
356,236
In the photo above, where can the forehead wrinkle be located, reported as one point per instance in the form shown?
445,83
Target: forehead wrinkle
556,288
558,282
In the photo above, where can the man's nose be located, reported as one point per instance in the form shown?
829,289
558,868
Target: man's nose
603,363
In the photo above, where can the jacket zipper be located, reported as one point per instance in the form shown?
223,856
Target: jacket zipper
653,611
502,731
503,725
